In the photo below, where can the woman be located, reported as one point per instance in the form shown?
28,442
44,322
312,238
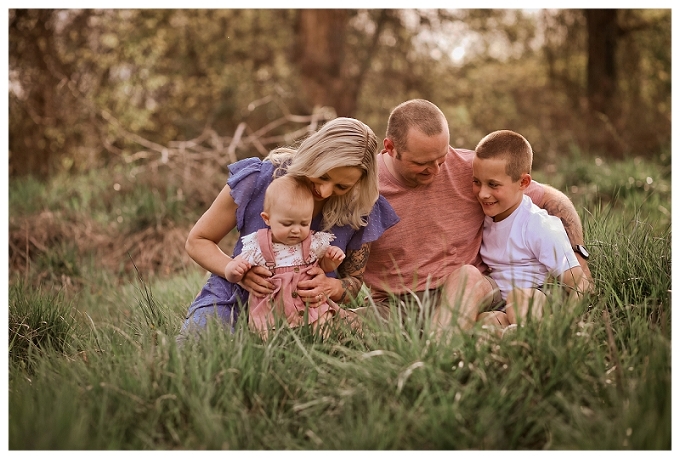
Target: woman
338,164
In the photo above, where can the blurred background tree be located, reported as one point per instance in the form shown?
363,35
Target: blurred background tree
88,87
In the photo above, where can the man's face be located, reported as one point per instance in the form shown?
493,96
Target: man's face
420,161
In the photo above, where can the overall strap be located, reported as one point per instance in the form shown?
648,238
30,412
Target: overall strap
306,245
264,240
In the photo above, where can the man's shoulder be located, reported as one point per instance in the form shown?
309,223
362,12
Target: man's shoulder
460,154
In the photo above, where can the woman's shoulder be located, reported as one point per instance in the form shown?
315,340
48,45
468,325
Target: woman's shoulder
383,212
250,174
249,166
381,218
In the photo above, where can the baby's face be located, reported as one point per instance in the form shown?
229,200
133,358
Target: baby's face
290,222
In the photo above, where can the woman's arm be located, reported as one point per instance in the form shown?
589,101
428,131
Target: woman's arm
209,230
351,273
341,290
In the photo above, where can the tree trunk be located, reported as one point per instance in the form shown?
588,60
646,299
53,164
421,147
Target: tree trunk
603,34
30,152
319,54
602,44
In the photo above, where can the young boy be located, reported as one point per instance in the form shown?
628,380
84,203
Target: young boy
521,244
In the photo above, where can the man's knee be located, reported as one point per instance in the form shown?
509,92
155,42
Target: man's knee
467,275
467,280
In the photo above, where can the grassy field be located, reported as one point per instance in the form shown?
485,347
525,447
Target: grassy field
99,285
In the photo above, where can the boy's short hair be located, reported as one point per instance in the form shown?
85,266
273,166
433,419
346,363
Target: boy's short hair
510,146
289,188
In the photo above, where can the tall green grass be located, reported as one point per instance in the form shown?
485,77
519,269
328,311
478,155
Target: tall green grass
560,384
101,370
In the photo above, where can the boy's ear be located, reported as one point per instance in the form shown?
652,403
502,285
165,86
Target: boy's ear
265,217
524,181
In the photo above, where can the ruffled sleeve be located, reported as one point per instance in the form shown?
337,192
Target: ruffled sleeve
321,240
250,248
248,181
381,218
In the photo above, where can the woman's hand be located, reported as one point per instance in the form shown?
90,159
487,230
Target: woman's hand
319,288
256,281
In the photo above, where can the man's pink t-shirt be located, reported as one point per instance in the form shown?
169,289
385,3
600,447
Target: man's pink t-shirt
440,229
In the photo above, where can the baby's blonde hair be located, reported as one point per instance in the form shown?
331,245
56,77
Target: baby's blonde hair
290,189
342,142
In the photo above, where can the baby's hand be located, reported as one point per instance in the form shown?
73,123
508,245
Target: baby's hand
335,253
236,269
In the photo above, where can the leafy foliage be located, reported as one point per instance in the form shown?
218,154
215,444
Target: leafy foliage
91,87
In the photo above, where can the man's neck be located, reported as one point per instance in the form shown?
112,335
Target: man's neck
389,163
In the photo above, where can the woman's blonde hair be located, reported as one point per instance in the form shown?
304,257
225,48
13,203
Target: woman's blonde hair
341,142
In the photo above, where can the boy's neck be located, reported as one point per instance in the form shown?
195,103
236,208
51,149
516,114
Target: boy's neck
506,213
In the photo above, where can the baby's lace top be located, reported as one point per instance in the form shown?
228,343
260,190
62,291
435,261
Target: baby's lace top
286,255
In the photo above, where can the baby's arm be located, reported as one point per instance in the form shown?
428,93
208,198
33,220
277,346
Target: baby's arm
236,269
332,259
575,281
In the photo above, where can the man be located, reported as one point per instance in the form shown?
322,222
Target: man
434,250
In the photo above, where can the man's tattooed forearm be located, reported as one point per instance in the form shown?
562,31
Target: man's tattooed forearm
568,218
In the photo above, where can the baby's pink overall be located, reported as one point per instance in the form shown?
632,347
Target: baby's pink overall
284,300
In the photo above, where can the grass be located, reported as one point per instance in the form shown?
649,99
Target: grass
94,364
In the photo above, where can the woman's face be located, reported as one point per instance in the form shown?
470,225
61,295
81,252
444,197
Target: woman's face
335,182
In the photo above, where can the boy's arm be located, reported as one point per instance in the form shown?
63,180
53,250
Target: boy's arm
558,204
576,282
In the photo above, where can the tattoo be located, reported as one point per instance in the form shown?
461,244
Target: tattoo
352,271
354,263
567,214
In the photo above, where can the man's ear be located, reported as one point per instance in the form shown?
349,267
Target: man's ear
524,181
388,145
265,217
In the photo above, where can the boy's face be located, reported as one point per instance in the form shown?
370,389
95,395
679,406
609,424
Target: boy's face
289,221
494,188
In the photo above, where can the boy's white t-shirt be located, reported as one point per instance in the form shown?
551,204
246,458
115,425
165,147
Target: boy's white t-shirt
525,248
286,255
